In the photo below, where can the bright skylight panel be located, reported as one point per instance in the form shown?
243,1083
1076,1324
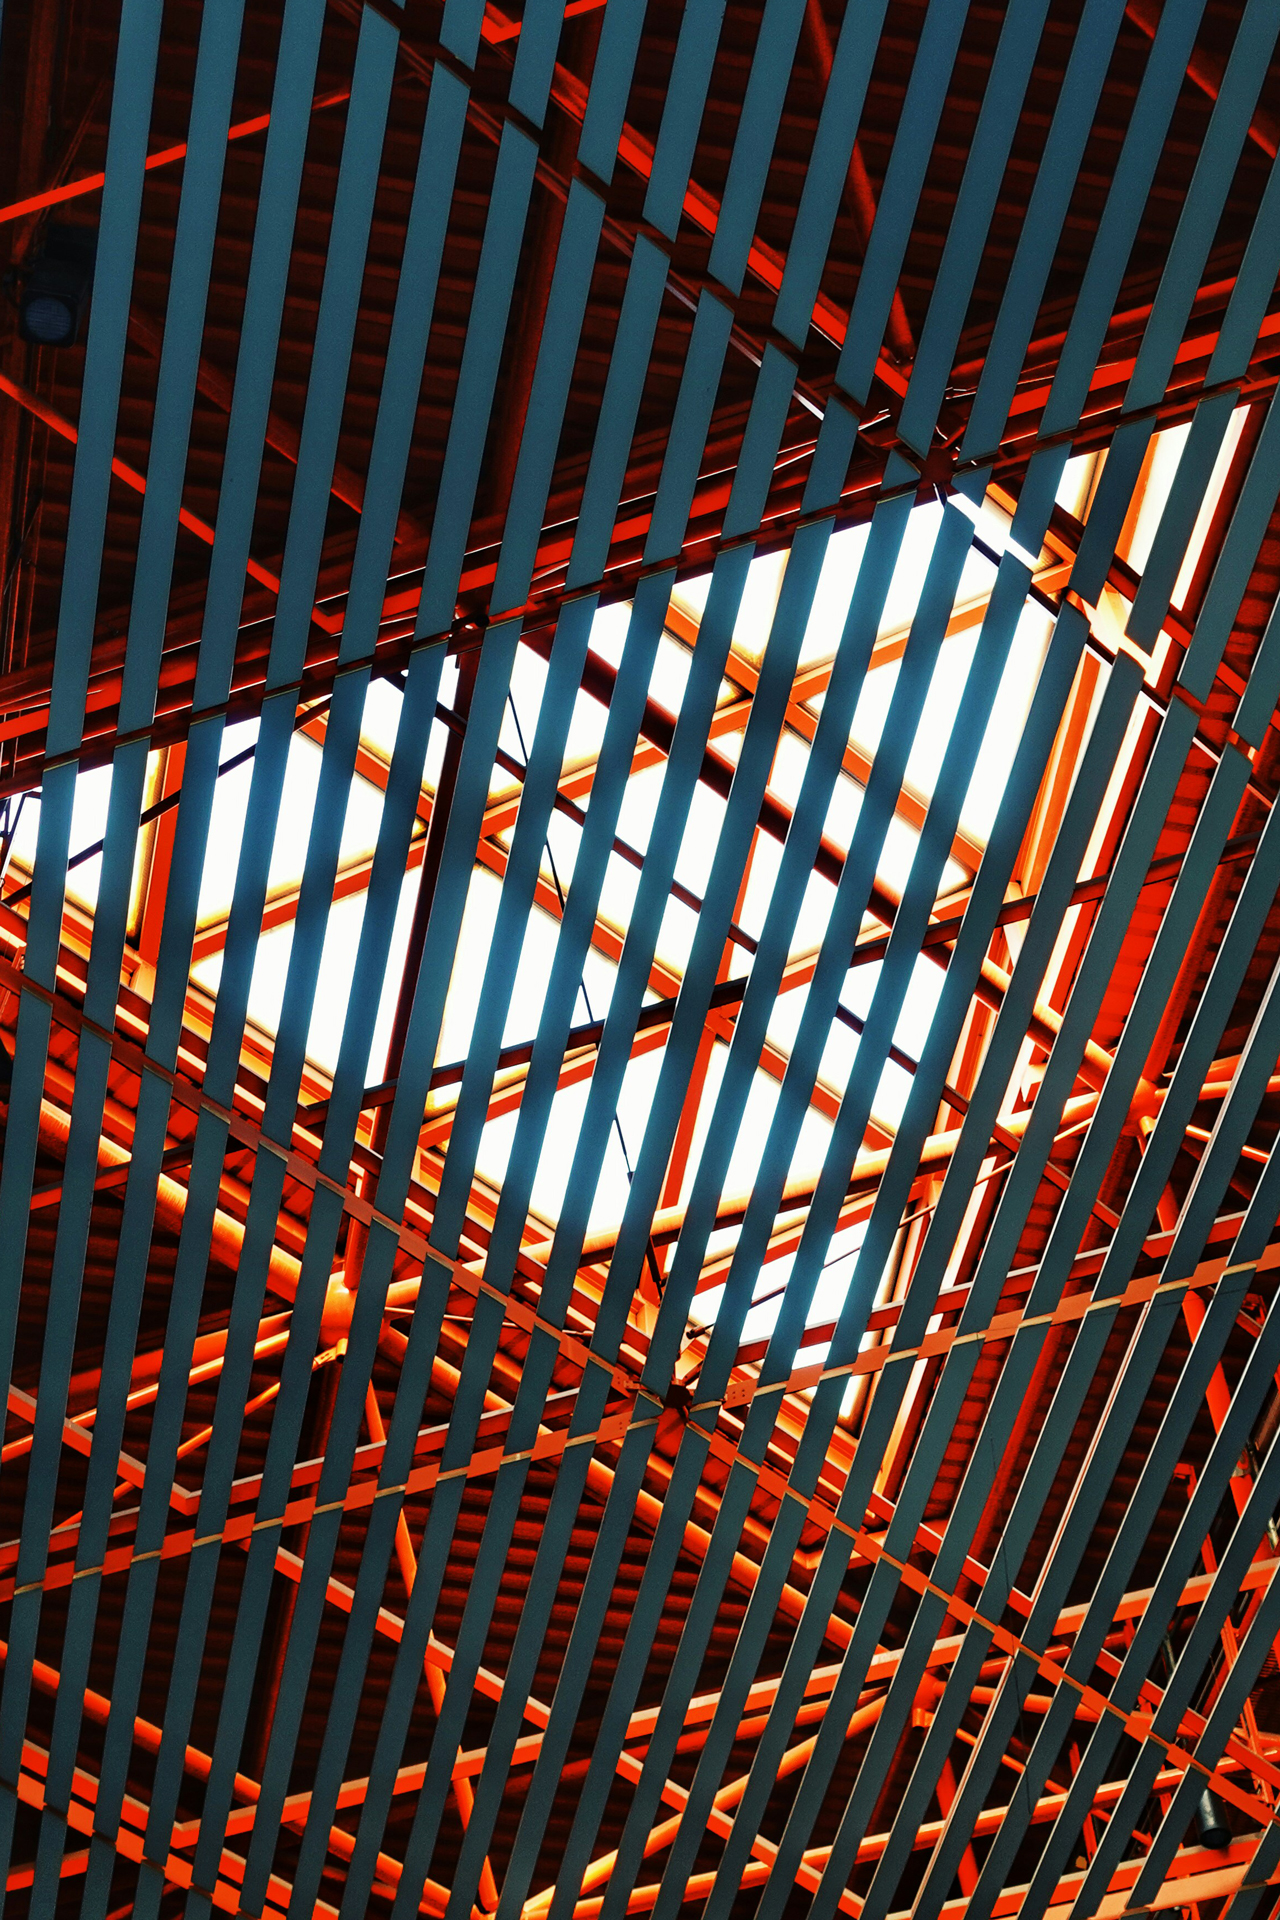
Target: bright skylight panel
467,978
361,823
1079,478
533,977
759,602
519,717
433,760
834,592
560,850
446,697
381,718
786,776
920,1004
555,1161
843,809
912,565
872,709
1161,469
938,715
828,1298
88,823
753,1131
333,984
585,733
785,1016
914,555
755,613
832,1289
859,989
450,672
1208,506
994,528
841,1044
270,970
670,674
609,631
618,893
815,908
226,825
940,712
676,935
745,1158
533,974
760,1320
690,596
897,854
1008,718
376,1070
639,806
599,977
335,981
729,745
839,1050
893,1089
700,839
360,827
941,708
771,1283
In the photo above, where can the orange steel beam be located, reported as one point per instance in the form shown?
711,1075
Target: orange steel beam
278,434
330,623
76,1435
467,1764
160,856
1131,1605
1205,70
658,727
245,1133
128,1838
355,876
1210,1881
79,1814
865,1181
867,1172
409,1289
808,683
882,1668
937,1342
720,1821
722,1804
165,157
641,1723
636,152
740,1390
171,1199
281,909
859,194
600,1481
1191,1724
463,1791
30,689
678,1164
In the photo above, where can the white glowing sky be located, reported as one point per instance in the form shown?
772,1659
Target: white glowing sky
635,825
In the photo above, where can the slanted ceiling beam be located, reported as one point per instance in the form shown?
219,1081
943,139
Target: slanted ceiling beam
733,1425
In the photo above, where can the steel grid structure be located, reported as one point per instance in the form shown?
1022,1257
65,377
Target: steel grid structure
639,1203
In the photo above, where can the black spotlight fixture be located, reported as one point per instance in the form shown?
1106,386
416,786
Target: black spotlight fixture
56,286
1211,1822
